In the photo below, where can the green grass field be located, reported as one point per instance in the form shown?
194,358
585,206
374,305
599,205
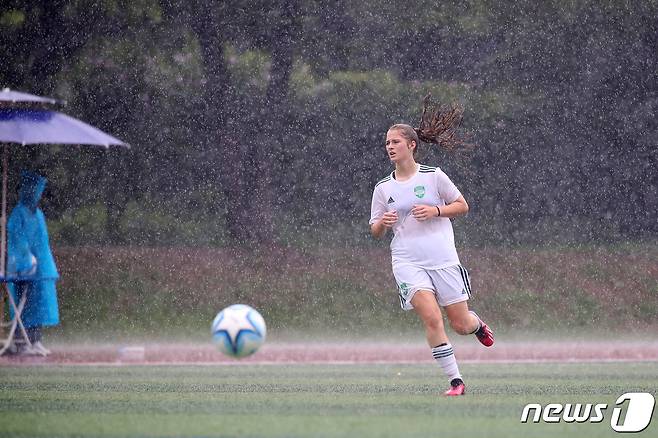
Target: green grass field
307,400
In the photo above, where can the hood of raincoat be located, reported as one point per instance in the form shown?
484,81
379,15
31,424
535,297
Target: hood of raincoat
32,187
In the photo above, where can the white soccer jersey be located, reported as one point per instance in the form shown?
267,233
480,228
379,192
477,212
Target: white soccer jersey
427,244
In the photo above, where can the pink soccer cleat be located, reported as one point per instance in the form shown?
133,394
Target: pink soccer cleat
457,387
484,333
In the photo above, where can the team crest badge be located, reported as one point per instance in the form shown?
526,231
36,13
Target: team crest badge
419,191
404,289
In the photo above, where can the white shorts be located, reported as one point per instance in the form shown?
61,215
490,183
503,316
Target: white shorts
450,285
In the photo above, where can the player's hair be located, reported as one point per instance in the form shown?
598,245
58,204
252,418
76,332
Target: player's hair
438,125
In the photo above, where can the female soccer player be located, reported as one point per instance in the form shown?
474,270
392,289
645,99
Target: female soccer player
417,203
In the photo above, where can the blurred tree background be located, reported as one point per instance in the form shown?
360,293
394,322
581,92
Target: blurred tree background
264,121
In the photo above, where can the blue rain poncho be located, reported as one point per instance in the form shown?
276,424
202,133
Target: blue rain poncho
27,238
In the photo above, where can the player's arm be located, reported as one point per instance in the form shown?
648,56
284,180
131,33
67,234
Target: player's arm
446,190
381,219
456,208
459,207
379,228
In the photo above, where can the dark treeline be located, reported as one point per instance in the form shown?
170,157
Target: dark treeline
257,120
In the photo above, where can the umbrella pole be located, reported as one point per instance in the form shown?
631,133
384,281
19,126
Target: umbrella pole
3,249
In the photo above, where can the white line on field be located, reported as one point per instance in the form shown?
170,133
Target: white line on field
332,362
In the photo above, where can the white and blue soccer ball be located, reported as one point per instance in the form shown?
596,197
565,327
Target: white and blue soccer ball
238,330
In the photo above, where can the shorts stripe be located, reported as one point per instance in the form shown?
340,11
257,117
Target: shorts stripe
465,279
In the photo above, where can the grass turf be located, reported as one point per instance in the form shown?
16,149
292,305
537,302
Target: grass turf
307,400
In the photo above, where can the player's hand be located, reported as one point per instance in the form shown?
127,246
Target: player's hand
390,218
424,212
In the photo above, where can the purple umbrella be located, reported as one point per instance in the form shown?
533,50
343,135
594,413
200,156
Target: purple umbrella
34,126
25,125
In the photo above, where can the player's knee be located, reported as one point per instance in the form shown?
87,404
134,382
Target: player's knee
434,324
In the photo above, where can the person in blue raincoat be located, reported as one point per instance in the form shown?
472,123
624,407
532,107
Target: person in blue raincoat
30,257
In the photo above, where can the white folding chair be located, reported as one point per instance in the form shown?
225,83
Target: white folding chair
15,322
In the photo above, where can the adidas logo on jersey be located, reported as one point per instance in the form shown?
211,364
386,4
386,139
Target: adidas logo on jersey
391,200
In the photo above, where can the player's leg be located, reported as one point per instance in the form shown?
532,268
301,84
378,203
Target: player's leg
484,334
427,308
467,322
416,292
462,321
454,288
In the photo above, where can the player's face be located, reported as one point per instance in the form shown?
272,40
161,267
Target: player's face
398,147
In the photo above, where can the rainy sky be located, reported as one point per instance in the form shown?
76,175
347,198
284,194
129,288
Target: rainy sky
265,120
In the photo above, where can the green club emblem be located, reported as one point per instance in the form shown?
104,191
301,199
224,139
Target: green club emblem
404,289
419,191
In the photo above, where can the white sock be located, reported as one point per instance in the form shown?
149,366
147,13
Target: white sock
445,357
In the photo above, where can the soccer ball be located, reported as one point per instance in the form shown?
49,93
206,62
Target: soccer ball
238,330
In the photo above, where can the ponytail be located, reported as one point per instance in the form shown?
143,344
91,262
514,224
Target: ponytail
439,124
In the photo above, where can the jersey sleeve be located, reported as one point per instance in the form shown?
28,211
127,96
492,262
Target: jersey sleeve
448,191
378,206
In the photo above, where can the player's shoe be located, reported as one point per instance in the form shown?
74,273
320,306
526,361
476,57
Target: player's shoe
484,333
457,387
